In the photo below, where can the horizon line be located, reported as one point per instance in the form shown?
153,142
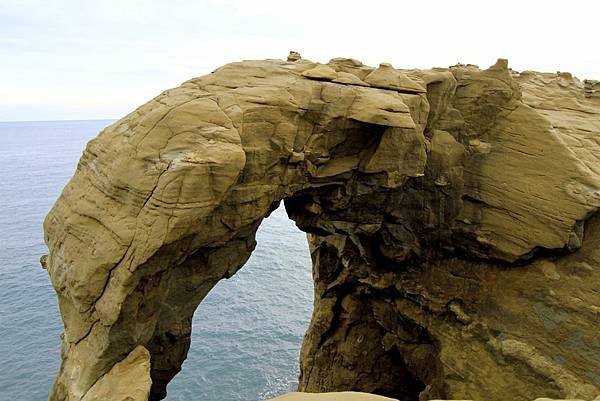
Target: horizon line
61,120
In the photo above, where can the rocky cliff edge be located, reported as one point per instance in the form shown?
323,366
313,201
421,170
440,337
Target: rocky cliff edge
451,216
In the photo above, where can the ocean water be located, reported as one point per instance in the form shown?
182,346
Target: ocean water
247,332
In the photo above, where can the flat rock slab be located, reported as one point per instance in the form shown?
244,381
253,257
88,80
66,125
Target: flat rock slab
334,396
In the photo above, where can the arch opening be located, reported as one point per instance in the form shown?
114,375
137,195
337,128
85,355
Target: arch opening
365,346
247,332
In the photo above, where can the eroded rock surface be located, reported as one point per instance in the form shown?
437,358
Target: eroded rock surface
451,217
128,380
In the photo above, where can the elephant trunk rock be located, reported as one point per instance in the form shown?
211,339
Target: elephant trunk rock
451,217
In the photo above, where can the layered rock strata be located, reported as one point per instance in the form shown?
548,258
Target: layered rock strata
451,217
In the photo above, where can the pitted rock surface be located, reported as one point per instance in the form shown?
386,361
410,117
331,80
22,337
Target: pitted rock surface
451,217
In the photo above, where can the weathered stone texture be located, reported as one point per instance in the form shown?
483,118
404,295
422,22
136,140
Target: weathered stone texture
451,217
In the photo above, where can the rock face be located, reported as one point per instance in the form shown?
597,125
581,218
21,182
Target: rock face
451,217
128,380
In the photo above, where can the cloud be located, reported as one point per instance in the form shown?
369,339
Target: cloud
80,57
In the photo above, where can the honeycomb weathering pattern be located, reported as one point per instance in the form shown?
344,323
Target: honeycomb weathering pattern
450,212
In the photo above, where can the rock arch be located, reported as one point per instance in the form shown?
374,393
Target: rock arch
417,189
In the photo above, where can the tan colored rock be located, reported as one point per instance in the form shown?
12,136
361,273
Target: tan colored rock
349,79
399,150
321,71
341,396
380,108
387,77
350,66
293,56
512,162
591,88
452,213
128,380
519,324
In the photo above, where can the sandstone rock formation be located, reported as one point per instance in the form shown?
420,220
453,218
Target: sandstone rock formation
128,380
451,217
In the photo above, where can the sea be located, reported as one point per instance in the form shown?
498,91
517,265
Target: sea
246,333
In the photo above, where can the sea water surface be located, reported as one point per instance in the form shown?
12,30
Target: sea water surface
247,332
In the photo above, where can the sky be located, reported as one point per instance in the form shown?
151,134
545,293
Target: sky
68,60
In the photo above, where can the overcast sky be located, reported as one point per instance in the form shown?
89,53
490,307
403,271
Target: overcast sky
62,59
